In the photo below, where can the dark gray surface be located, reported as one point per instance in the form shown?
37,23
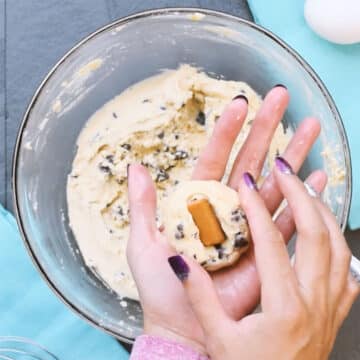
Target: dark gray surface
2,102
36,33
39,32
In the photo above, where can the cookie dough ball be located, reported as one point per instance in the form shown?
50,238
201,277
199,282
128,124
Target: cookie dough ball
195,204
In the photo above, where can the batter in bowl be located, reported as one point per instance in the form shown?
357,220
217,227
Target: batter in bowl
162,122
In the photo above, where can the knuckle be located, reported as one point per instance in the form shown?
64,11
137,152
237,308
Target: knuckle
323,236
209,164
319,233
296,319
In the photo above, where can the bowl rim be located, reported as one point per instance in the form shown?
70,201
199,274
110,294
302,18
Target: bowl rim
122,21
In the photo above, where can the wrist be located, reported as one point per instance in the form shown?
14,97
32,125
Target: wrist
167,332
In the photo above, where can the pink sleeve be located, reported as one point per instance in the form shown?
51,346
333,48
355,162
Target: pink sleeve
149,347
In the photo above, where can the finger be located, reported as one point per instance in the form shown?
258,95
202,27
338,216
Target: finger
340,254
252,155
296,153
200,292
349,296
271,256
142,204
285,220
214,157
312,263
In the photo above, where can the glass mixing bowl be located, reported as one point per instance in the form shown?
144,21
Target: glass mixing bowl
18,348
100,67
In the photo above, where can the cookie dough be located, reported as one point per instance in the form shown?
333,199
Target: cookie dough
163,122
184,235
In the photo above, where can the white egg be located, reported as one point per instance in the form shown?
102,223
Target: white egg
335,20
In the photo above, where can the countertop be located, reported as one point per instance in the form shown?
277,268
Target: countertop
34,34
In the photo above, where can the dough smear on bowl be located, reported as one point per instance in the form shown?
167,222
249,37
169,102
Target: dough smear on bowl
184,235
163,122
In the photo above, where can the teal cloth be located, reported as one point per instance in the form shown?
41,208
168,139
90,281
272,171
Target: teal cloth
337,65
28,308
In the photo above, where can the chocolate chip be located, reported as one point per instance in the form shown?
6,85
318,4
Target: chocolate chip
195,257
236,215
163,108
110,158
104,168
111,231
218,246
162,175
240,241
176,136
176,182
180,155
120,211
203,263
161,135
220,253
166,148
74,176
126,147
180,227
200,119
114,115
179,235
146,100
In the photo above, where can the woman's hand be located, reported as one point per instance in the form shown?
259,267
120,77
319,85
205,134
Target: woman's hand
303,306
242,278
166,309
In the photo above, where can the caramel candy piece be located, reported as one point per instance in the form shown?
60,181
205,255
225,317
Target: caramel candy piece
208,224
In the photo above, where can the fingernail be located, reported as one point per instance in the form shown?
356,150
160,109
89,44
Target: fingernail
179,266
249,181
241,97
283,166
280,85
311,191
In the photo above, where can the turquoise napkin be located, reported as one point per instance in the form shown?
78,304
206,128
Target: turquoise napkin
337,65
29,309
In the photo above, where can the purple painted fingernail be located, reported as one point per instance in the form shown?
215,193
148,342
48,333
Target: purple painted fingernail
243,97
249,181
283,166
179,266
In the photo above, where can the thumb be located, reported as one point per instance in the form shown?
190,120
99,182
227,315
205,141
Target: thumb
142,205
200,292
